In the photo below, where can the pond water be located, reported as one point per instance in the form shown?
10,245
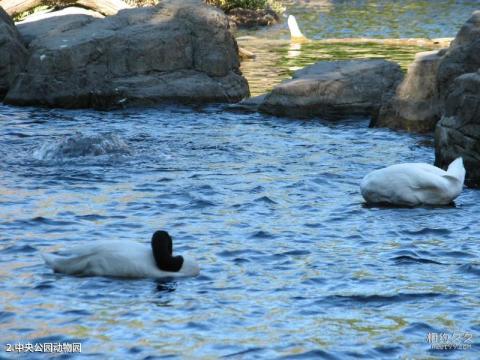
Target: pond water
292,261
293,264
324,19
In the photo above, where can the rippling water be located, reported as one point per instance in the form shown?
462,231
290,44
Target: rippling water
293,263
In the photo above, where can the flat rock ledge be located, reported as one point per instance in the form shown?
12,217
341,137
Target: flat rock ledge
334,90
458,132
178,51
13,54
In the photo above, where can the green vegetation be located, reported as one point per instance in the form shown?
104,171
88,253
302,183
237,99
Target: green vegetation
21,16
227,5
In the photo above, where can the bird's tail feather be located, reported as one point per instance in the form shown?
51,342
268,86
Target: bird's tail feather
66,265
457,170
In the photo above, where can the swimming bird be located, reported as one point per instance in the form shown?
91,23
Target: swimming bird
124,259
414,184
295,33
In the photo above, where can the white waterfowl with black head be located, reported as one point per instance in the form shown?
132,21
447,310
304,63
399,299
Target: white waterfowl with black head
414,184
126,259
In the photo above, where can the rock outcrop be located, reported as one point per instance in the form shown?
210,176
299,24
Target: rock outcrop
419,101
13,54
179,51
458,132
463,55
335,90
416,105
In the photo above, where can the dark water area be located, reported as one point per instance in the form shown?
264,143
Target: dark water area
293,264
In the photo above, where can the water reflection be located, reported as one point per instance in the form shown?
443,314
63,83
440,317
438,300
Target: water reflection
276,60
294,50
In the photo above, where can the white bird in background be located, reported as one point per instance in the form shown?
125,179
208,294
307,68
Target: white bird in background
124,259
295,33
414,184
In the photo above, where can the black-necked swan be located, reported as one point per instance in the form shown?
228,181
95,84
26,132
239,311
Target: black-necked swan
124,259
414,184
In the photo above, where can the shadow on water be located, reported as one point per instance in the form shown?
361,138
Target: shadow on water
389,206
166,285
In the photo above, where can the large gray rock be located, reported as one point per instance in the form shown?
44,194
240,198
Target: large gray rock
48,24
176,51
458,132
416,105
419,101
463,55
335,89
13,54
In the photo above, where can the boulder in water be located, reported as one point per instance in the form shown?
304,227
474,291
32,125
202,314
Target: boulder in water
335,89
463,55
178,51
420,100
416,105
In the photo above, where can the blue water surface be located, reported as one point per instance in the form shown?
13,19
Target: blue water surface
293,263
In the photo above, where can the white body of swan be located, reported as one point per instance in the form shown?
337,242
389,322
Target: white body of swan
117,259
414,184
